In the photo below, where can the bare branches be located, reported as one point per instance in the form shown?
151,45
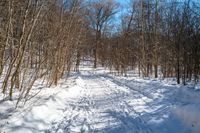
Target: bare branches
48,39
40,41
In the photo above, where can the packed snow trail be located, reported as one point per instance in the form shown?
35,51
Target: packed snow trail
93,101
102,104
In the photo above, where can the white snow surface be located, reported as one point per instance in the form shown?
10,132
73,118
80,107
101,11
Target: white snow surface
94,101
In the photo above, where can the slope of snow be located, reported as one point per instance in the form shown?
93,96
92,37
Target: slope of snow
188,109
95,101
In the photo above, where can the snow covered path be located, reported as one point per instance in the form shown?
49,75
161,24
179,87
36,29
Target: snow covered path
94,101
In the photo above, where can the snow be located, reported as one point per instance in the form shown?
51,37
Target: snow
189,107
189,114
93,100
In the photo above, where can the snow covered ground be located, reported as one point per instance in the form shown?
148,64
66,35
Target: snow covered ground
94,101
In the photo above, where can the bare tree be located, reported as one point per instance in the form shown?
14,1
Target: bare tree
99,14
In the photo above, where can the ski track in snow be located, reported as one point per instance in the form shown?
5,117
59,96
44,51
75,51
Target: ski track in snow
95,107
100,103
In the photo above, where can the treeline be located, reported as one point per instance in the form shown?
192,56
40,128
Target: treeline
38,39
157,38
42,39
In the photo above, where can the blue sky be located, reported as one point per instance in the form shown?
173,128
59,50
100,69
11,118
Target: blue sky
125,5
124,2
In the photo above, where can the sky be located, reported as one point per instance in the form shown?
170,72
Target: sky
125,2
124,5
122,1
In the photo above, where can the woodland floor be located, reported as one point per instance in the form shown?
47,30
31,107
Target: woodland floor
95,101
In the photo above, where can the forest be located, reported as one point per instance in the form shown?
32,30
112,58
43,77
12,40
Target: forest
42,39
99,66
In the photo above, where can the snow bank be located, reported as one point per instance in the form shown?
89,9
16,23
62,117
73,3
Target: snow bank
189,109
189,114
